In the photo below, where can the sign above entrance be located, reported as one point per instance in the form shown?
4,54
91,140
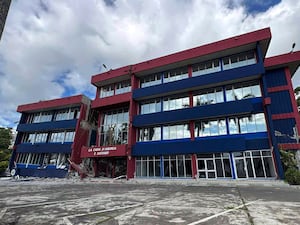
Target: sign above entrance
103,151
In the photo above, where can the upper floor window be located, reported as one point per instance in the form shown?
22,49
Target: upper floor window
62,137
115,89
41,137
123,87
247,124
172,103
206,67
176,131
151,106
67,114
28,138
177,74
150,80
150,134
238,60
40,117
208,97
242,91
114,129
107,91
210,128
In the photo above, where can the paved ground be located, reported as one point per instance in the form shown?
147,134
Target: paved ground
94,201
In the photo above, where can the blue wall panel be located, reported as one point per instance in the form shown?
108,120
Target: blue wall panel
190,83
35,171
45,148
285,128
253,105
280,102
275,78
202,145
47,126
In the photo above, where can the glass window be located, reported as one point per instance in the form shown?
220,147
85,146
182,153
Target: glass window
233,126
238,60
151,106
206,67
173,103
176,131
114,130
148,166
57,137
242,91
260,122
53,158
62,115
210,128
41,138
123,87
177,74
150,134
243,125
29,138
69,137
251,127
107,91
247,124
208,97
45,117
150,80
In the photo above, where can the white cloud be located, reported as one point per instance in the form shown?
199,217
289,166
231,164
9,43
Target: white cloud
50,45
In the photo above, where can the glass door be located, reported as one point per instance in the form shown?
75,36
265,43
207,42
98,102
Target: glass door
206,168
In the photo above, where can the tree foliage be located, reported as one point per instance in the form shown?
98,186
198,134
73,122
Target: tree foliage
5,140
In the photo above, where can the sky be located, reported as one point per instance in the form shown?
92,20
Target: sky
50,49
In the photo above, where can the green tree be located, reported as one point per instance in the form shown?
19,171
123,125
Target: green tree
5,140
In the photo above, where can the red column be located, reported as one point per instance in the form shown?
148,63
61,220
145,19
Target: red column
190,71
98,128
194,166
133,109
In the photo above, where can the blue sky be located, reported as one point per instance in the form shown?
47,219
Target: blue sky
51,48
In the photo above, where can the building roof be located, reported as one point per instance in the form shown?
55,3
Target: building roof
291,60
54,104
213,50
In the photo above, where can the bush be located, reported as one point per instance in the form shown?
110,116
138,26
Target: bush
292,176
3,166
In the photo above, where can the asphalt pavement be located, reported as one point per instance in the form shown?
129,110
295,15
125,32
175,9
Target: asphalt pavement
110,202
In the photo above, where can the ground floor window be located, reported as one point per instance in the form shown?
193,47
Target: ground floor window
254,164
164,166
177,166
214,165
60,160
148,166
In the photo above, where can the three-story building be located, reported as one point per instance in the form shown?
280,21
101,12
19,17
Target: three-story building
221,110
49,133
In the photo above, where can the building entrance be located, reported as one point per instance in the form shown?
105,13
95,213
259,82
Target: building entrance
206,168
214,165
110,167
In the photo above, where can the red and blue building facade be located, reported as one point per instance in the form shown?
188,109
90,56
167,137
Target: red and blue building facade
50,133
218,111
214,111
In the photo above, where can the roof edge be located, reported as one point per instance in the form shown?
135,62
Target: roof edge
232,42
48,104
291,60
